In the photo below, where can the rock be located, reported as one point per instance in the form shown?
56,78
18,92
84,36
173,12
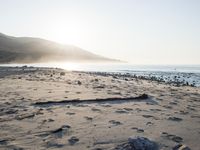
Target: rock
181,147
62,128
79,82
99,87
62,73
175,119
144,96
138,143
24,116
142,143
73,140
3,142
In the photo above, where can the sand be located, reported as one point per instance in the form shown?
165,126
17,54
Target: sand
46,108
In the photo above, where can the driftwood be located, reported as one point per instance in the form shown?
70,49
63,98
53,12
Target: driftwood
77,101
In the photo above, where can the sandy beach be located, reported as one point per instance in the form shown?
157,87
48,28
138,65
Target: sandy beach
48,108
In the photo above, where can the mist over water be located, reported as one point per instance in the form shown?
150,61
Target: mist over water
182,73
115,67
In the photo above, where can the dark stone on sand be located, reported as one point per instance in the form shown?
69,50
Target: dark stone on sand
24,116
73,140
79,82
175,119
143,96
138,143
148,116
3,142
64,127
62,73
181,147
99,87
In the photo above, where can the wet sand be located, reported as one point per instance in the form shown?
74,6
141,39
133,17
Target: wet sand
46,108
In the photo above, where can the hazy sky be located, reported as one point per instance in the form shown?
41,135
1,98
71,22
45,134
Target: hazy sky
138,31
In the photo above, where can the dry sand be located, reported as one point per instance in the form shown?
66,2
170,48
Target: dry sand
37,111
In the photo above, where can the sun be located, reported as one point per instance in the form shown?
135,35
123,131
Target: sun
67,30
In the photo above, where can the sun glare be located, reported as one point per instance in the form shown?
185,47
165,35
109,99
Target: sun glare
68,66
67,30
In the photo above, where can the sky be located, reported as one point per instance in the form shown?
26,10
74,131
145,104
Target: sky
137,31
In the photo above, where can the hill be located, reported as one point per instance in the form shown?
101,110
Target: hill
35,50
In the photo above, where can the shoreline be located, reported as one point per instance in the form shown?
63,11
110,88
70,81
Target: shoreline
162,80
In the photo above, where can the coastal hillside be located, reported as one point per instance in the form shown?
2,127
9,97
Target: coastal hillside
34,50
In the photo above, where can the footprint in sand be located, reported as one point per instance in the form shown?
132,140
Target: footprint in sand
88,118
121,111
150,116
149,123
106,105
96,109
70,113
195,116
155,110
167,106
114,122
128,109
183,112
189,107
172,137
138,130
173,103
